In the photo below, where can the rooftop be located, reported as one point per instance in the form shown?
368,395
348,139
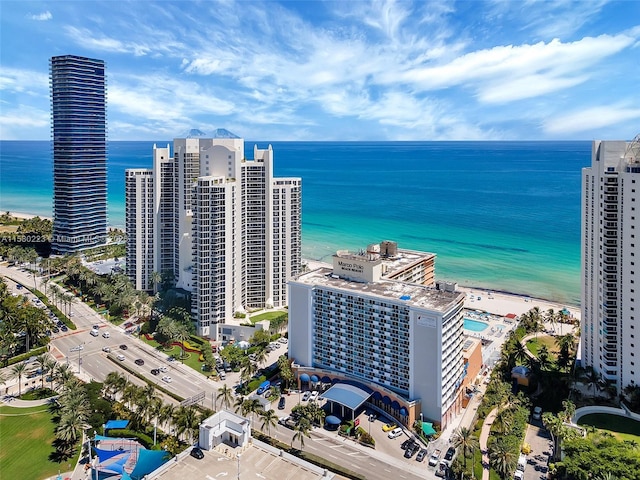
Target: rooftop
415,295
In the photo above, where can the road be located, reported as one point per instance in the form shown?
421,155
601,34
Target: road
85,354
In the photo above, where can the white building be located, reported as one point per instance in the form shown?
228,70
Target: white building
610,276
225,229
139,215
401,340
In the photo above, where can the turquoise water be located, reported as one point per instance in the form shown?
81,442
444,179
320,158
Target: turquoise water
474,325
499,215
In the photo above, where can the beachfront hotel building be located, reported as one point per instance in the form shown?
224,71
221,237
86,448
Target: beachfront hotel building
224,228
610,337
79,131
402,341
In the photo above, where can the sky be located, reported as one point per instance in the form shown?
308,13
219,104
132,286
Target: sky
334,70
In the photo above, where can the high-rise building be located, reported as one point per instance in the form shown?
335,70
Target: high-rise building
402,340
224,228
79,129
610,251
139,214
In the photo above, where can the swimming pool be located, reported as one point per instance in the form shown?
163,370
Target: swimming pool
474,325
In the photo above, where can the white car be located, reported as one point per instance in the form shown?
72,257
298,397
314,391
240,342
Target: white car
106,335
120,357
396,432
106,349
314,396
305,396
163,369
166,378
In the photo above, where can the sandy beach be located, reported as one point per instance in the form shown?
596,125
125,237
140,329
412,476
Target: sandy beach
27,216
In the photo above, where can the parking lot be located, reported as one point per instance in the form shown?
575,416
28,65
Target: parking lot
541,447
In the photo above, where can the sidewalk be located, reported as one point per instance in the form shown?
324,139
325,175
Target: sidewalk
484,436
12,401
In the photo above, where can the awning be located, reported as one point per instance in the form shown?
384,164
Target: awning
348,395
427,428
386,400
377,396
333,420
395,405
314,378
304,377
403,412
116,424
326,379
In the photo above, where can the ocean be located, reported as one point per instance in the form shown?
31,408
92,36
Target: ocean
499,215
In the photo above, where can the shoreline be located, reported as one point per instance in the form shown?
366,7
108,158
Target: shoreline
498,302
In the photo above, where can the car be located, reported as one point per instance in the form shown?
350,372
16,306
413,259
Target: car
252,357
406,444
388,427
55,329
450,453
281,403
166,379
138,361
77,348
64,328
283,340
94,333
196,453
422,454
155,371
18,286
537,413
120,357
123,347
395,433
96,327
106,335
163,369
106,349
314,396
411,450
441,471
305,396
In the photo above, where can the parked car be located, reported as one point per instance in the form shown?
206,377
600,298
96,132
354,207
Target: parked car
283,340
449,455
123,347
314,396
421,455
106,349
537,413
395,433
305,396
196,453
120,357
106,335
406,444
388,427
411,450
139,361
281,403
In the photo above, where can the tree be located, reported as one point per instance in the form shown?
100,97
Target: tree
225,396
301,430
42,361
502,459
463,437
17,371
156,279
591,378
269,419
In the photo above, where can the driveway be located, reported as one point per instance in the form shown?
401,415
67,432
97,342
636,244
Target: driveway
540,440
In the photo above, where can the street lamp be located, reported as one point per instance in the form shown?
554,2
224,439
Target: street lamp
238,457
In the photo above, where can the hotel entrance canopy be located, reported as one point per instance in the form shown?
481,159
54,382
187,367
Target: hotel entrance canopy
347,395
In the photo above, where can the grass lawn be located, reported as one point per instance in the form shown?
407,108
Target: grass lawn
267,316
191,359
535,343
28,430
623,428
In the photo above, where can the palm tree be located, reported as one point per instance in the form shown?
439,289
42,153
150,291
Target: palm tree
114,383
502,459
269,419
503,422
301,430
261,355
17,371
156,279
248,369
591,378
51,368
225,396
42,360
166,415
238,405
187,421
70,427
63,375
463,437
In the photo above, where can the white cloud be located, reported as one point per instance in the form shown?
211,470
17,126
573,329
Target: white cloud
24,81
22,122
41,17
592,118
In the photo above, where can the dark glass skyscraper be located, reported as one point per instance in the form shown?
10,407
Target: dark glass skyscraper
79,130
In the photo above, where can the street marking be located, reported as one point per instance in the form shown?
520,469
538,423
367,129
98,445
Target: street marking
333,456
